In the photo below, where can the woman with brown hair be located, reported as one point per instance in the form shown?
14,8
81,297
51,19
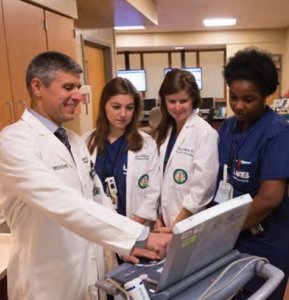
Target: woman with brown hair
125,158
188,150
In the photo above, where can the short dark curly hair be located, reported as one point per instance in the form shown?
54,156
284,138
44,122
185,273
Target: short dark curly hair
255,65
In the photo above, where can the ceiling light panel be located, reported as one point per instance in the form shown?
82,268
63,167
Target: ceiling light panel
219,22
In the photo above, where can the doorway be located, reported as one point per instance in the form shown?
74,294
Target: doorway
97,66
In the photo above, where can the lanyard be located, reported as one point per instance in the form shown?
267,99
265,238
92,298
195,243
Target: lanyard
237,145
238,140
170,147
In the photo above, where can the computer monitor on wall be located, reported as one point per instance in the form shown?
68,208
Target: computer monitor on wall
197,72
136,77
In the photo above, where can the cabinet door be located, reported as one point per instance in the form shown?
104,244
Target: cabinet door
6,106
25,37
60,33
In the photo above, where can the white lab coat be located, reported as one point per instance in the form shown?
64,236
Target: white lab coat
190,177
48,205
141,201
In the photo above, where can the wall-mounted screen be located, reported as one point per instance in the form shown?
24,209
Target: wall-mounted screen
136,77
197,72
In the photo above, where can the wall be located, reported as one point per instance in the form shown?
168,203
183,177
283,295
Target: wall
285,65
101,36
272,40
104,36
197,39
211,63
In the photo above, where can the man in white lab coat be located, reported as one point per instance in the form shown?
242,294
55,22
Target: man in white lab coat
47,194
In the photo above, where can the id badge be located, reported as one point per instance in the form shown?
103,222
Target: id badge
225,189
111,190
96,192
224,192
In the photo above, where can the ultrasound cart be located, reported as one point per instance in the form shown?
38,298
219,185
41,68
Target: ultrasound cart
220,280
200,262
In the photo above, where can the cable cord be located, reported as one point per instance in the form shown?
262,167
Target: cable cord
119,287
252,259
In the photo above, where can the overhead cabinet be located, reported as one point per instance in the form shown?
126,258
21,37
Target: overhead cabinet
26,30
6,113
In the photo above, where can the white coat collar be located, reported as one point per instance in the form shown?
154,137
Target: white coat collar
190,122
48,139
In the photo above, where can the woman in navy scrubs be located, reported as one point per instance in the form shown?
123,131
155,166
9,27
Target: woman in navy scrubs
125,159
254,143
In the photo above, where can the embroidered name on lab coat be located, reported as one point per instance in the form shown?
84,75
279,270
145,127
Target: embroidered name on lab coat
85,160
142,157
60,167
186,151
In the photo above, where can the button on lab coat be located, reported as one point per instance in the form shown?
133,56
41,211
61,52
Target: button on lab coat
47,201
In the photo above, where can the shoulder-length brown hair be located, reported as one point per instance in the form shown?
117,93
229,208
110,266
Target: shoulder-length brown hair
116,86
175,81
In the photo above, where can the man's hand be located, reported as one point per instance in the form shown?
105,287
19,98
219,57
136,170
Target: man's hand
158,243
139,252
156,248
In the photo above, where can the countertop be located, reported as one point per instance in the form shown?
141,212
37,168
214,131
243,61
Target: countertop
219,118
5,245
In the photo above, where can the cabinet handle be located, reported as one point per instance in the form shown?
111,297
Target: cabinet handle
11,109
23,103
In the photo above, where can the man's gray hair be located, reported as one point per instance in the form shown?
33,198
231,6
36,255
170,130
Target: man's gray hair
44,66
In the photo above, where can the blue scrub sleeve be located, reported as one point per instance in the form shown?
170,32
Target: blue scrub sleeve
275,163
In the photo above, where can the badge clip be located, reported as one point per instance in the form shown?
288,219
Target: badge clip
225,189
112,189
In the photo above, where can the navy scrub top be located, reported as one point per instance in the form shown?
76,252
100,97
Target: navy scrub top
114,163
258,154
